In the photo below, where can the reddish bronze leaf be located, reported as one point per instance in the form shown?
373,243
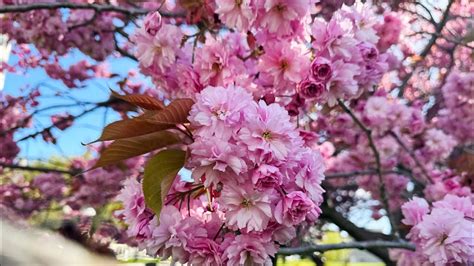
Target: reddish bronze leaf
127,148
130,128
175,113
144,101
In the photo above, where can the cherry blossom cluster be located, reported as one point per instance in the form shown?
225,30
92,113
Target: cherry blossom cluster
391,122
53,31
24,196
262,182
267,78
274,57
442,232
12,118
458,94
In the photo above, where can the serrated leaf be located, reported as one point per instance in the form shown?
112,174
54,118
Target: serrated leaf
160,172
130,128
175,113
123,149
144,101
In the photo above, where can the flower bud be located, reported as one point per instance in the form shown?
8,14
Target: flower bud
152,23
311,89
321,69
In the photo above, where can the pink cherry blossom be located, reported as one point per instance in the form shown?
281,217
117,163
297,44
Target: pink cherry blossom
238,14
250,249
279,14
446,237
246,208
269,132
293,208
414,210
284,63
159,49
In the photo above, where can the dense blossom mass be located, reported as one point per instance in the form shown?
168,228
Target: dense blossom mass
262,179
265,115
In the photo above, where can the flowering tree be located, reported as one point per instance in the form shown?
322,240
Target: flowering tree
266,120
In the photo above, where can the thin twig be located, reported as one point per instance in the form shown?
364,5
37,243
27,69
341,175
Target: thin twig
427,49
378,165
102,104
412,155
129,11
37,169
360,172
358,245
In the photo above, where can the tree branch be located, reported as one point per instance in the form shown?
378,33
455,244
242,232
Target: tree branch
96,7
358,245
412,155
36,168
427,49
359,234
378,165
102,104
361,172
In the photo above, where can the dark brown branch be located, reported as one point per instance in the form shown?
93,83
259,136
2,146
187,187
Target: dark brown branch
412,155
102,104
358,245
129,11
36,169
432,20
427,49
361,172
359,234
378,165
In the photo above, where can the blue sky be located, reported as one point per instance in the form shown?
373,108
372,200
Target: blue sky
86,128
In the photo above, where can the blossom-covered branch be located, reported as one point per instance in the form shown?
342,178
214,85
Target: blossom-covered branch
378,165
130,11
426,50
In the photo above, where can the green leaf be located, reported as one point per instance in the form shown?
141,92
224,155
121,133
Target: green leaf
160,172
123,149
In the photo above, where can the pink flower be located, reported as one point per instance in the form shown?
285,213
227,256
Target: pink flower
152,23
218,64
204,251
245,207
159,49
311,89
414,211
332,40
342,83
266,176
51,185
268,132
438,144
321,69
250,249
279,14
137,216
389,31
293,208
173,233
218,110
447,237
215,157
238,14
284,63
462,204
310,173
